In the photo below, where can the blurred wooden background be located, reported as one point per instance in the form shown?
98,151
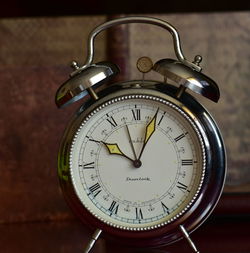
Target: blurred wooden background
35,54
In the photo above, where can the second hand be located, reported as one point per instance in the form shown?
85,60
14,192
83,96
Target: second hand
137,163
130,140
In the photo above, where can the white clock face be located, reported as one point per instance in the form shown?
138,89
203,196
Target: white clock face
137,162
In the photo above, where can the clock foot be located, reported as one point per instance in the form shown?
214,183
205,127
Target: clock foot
94,238
186,235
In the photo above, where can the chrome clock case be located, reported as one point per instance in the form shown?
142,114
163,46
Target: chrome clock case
214,172
83,83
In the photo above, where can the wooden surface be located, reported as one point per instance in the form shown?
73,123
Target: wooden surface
34,59
217,235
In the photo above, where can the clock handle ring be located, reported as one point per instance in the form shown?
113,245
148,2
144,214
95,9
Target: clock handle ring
136,19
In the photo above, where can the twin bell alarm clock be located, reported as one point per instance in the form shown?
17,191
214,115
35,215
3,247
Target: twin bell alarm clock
141,161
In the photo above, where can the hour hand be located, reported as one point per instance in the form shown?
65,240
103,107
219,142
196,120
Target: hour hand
114,149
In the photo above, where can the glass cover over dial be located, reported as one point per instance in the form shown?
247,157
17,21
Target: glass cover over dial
137,162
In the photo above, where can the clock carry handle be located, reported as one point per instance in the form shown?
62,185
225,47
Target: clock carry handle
91,75
136,19
183,72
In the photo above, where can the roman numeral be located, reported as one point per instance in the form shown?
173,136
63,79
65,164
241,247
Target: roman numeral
161,118
138,213
89,165
95,189
182,186
136,114
186,162
180,137
165,208
111,120
113,207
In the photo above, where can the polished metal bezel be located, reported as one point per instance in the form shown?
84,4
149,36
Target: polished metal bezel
186,114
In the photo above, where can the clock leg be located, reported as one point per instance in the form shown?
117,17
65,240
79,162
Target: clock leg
94,238
186,235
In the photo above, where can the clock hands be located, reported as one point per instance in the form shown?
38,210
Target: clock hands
150,128
114,149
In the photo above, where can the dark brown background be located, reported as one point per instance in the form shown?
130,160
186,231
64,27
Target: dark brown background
78,7
34,57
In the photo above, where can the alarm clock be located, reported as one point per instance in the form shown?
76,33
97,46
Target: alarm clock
141,161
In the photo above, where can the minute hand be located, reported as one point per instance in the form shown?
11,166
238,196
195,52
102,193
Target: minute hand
150,128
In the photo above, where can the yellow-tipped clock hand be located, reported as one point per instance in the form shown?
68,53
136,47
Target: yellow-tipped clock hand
114,149
150,128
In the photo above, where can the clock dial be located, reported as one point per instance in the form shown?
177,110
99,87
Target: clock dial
137,162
